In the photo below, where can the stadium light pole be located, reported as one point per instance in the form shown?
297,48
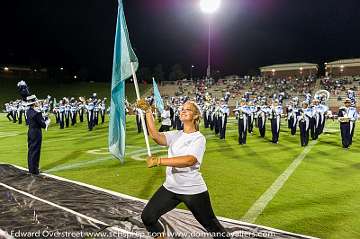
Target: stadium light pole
191,72
209,7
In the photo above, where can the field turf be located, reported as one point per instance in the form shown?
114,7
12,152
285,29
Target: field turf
321,198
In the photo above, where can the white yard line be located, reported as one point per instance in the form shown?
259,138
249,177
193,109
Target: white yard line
136,155
76,165
257,208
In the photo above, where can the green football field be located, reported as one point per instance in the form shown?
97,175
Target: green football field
320,198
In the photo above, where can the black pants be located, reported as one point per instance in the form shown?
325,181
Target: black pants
67,120
275,130
290,122
34,148
102,117
20,117
242,131
250,124
14,116
164,201
261,126
223,128
206,122
8,116
345,134
304,133
313,128
61,120
216,125
81,115
138,123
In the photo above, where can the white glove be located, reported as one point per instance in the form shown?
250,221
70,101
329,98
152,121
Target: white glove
47,123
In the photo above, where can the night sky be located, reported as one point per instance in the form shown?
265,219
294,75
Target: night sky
247,34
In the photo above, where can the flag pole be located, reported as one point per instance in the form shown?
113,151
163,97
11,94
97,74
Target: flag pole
141,113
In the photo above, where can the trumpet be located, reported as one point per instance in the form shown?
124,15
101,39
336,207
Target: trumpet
82,99
344,119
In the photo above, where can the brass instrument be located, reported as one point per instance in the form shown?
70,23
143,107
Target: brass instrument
322,94
82,99
344,119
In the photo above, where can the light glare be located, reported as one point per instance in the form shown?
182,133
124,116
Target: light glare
209,6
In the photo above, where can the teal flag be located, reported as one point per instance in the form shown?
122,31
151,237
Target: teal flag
54,103
123,57
158,100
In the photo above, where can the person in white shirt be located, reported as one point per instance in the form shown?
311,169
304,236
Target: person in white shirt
165,120
184,182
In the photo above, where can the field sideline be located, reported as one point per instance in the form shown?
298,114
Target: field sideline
319,199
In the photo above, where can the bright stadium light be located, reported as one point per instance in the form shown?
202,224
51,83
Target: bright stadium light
6,68
209,6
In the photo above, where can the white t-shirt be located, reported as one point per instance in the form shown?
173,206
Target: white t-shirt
186,180
165,115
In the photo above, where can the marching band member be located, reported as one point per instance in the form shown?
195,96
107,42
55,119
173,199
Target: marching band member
305,114
316,121
308,98
103,110
14,111
347,116
97,108
62,114
275,118
206,115
320,110
352,96
224,114
165,119
73,111
21,112
261,118
217,119
90,114
212,116
56,112
67,112
138,119
293,115
242,112
36,122
250,115
8,111
178,123
81,108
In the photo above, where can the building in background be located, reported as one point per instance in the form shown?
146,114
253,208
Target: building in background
344,67
290,70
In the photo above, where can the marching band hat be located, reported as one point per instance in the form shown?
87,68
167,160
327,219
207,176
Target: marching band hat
347,100
30,100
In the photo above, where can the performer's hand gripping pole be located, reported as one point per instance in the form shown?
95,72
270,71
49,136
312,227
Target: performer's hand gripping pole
141,113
